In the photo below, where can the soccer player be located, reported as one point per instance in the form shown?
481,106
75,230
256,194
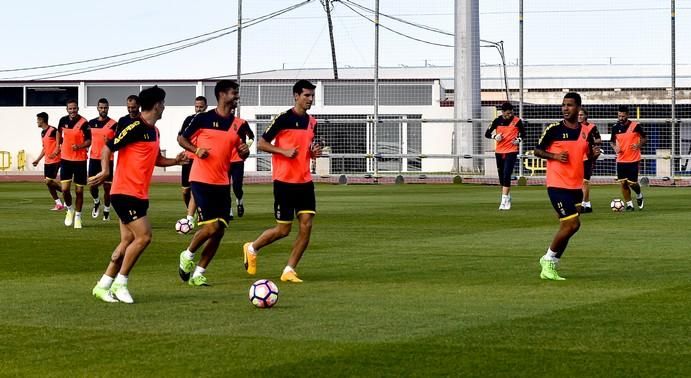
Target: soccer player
508,132
102,130
292,134
237,169
73,141
199,107
627,140
588,163
132,111
563,144
138,144
215,138
52,164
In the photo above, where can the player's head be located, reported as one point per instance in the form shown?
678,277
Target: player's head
303,93
227,92
623,113
507,110
133,105
102,106
200,104
72,108
153,100
570,106
583,115
42,119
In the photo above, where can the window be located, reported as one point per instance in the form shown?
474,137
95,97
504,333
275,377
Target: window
277,95
11,96
50,96
389,94
179,95
116,95
249,95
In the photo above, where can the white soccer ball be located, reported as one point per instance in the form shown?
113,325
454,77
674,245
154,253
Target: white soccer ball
264,294
183,226
617,205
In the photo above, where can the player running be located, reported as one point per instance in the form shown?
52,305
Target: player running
627,140
588,163
52,163
200,106
102,130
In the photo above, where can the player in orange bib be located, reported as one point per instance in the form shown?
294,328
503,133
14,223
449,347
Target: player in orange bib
73,141
102,130
627,140
52,163
200,105
588,163
215,140
564,144
508,132
138,146
289,139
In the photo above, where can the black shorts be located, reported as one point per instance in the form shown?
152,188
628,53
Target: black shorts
129,208
95,168
567,202
627,172
505,164
50,171
292,199
588,166
185,175
73,171
213,202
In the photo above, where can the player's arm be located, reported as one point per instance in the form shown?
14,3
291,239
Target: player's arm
247,134
613,140
58,140
596,143
279,123
87,139
545,141
491,128
105,165
38,159
643,137
162,161
243,149
184,139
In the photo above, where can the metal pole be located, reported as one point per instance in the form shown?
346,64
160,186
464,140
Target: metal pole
674,89
327,7
237,109
520,78
503,64
376,88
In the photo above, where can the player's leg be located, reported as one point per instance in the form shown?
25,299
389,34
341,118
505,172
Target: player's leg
507,172
284,210
132,213
102,288
94,169
185,184
567,203
635,186
306,209
214,204
80,182
66,175
587,173
500,172
50,172
107,184
238,173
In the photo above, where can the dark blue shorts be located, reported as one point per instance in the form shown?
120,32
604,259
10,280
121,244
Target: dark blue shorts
213,202
293,199
129,208
567,202
628,172
185,175
73,171
588,166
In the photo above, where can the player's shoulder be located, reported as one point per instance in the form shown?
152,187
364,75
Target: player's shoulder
554,126
93,122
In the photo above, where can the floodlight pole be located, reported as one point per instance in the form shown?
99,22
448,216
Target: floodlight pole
376,90
674,87
520,79
327,6
237,109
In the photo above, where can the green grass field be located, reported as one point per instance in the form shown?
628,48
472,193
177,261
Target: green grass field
412,280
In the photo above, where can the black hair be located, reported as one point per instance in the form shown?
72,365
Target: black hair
134,98
201,98
224,86
302,84
575,96
103,101
150,97
584,111
71,101
506,106
43,116
623,109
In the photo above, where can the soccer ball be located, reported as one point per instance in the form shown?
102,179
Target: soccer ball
617,205
183,226
264,293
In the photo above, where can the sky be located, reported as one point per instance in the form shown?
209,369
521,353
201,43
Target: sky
45,32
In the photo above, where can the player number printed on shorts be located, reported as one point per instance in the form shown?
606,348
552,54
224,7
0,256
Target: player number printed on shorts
133,213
